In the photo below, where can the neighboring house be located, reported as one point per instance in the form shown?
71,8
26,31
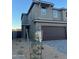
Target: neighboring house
16,33
45,22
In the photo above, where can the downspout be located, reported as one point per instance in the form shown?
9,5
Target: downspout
28,40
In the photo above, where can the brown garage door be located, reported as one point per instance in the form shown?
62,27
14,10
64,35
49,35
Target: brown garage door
53,33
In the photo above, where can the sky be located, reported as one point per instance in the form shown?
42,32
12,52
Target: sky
22,6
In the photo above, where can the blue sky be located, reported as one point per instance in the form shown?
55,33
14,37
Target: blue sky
22,6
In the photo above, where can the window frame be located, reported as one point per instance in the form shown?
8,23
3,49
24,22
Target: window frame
43,11
55,13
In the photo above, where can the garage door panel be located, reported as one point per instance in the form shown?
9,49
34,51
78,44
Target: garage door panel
53,37
51,33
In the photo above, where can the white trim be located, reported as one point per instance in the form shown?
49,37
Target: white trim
49,21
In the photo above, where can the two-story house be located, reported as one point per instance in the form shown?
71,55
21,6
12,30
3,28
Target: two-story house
45,22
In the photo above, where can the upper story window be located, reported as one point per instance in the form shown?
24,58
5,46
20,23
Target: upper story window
55,13
43,11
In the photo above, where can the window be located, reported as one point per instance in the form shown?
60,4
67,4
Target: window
43,11
55,13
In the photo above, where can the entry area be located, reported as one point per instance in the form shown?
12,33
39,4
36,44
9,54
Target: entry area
54,32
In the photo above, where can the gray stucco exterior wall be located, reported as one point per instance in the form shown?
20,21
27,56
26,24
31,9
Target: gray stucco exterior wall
35,20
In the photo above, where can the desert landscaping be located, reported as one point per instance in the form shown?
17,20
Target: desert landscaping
20,51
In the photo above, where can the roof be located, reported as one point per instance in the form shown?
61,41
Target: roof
47,21
16,29
59,9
